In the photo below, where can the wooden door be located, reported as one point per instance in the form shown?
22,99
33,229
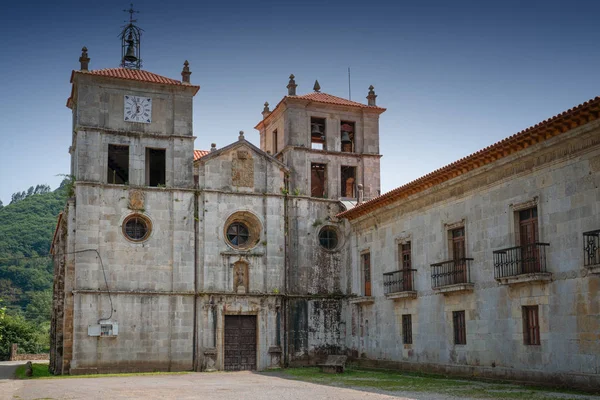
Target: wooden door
458,255
527,239
406,267
366,261
240,342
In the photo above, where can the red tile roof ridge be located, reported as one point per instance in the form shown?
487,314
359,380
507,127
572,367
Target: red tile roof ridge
198,154
320,97
139,75
331,99
134,74
395,193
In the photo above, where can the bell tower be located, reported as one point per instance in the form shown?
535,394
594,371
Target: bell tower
130,42
330,144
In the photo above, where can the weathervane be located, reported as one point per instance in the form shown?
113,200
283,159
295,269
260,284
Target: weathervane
130,42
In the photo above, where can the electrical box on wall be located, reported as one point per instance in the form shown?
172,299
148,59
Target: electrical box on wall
106,328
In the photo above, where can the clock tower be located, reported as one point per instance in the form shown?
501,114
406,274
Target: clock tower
127,267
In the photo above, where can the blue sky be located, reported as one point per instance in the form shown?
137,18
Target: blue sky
455,76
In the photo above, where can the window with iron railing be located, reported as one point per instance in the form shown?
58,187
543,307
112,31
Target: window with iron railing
518,260
529,256
452,272
591,248
399,281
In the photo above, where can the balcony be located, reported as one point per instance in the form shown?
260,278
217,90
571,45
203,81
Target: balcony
400,284
521,264
591,251
452,276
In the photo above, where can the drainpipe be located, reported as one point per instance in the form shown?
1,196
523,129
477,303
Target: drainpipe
286,262
195,330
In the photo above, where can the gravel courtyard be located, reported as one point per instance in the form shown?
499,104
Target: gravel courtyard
217,386
268,386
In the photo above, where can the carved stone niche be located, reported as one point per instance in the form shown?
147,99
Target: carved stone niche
242,169
240,277
136,199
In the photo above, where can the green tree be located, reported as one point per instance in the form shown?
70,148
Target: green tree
15,329
2,313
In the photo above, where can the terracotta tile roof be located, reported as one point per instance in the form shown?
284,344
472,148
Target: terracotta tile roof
330,99
561,123
319,97
198,154
132,75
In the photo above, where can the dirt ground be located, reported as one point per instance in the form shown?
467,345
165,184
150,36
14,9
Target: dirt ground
217,386
257,386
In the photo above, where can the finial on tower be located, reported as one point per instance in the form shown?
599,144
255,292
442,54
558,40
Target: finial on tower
317,87
130,43
372,96
185,73
291,87
84,59
266,111
241,137
213,147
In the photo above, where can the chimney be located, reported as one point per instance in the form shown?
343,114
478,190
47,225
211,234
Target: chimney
291,87
185,73
84,59
266,112
372,96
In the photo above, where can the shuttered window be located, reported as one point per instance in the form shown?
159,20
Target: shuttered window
531,325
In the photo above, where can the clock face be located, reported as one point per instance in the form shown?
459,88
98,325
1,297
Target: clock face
138,109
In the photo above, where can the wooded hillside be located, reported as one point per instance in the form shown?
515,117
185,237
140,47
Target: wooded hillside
26,228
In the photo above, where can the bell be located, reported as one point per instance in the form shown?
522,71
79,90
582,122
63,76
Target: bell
316,130
345,137
130,53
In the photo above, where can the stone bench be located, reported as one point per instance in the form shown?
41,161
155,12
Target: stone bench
334,365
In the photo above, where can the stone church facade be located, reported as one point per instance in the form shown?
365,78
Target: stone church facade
249,258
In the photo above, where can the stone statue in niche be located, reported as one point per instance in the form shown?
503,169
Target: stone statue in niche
242,169
240,277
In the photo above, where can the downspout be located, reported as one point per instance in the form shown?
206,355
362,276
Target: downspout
286,261
195,329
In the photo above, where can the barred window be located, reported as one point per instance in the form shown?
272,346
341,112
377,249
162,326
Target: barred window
407,329
460,333
137,228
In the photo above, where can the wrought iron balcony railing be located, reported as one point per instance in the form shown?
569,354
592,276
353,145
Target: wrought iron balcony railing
451,272
591,248
518,260
399,281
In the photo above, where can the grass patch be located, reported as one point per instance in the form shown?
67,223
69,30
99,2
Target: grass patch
396,381
40,371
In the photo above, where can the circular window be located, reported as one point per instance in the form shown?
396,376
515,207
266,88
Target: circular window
137,228
328,237
242,230
238,234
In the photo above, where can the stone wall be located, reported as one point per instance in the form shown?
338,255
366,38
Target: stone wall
560,177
